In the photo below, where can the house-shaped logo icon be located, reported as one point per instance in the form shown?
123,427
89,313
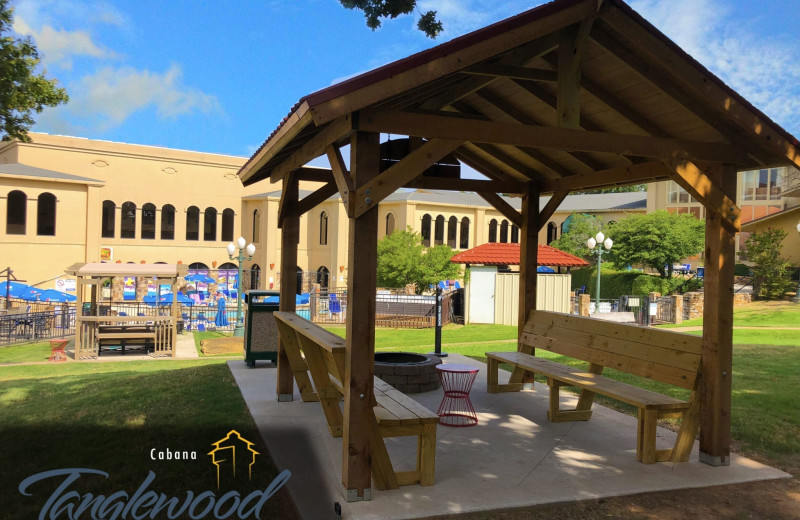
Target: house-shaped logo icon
233,453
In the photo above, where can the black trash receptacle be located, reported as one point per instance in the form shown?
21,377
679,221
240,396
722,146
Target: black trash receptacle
260,331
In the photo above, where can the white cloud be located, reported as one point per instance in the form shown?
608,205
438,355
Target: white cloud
58,46
759,66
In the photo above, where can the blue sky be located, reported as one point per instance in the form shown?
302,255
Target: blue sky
219,76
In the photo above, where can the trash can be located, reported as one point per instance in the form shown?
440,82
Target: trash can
260,331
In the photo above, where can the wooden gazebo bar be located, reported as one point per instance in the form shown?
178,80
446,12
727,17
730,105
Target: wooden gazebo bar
572,95
96,325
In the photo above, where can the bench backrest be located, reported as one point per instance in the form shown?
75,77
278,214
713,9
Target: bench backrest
666,356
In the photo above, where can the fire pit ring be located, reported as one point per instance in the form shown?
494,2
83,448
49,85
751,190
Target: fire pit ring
408,372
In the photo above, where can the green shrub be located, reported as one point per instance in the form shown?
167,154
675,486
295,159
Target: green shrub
613,284
741,270
645,284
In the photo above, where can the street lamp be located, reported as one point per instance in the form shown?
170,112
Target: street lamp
250,250
596,245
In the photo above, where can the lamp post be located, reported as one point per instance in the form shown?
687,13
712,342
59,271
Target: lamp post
250,250
596,246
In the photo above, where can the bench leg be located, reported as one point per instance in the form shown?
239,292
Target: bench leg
299,368
382,471
646,436
556,414
327,394
492,369
520,376
690,424
426,454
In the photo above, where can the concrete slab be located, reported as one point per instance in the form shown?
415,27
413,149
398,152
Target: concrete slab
513,458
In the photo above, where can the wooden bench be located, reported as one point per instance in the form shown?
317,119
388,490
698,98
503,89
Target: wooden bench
125,336
669,357
320,353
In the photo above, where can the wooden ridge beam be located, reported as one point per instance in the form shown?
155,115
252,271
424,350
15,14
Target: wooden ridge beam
503,207
507,71
551,207
318,197
341,176
691,178
545,137
333,132
411,166
622,176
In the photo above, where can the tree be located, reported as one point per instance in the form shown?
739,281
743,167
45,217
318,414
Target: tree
573,240
374,10
656,240
402,259
22,91
771,275
617,189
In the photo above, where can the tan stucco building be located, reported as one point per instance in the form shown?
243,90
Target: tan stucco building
65,200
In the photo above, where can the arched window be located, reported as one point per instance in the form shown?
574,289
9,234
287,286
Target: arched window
322,276
193,223
504,231
256,226
464,234
493,231
452,232
552,232
514,234
16,212
128,220
426,230
228,266
109,219
210,224
323,228
227,225
390,223
255,276
438,237
198,265
149,221
46,215
167,222
299,280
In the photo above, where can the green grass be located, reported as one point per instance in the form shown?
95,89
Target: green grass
109,416
758,314
762,337
400,338
27,352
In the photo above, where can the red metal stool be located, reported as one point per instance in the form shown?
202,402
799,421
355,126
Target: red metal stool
456,408
57,350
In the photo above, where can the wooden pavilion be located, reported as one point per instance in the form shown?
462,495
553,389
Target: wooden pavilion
98,325
572,95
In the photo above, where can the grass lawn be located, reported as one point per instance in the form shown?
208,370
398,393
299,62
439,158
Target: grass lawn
109,416
25,353
757,314
208,334
399,338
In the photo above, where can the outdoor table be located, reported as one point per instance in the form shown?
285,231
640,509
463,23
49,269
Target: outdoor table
456,408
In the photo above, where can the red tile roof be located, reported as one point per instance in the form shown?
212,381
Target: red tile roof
508,254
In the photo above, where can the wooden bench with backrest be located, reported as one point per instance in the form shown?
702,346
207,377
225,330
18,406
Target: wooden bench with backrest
320,353
666,356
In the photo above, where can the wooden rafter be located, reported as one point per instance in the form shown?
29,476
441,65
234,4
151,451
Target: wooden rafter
623,176
313,174
468,155
341,176
411,166
551,206
508,71
478,186
314,147
691,178
318,197
518,166
545,137
503,207
570,54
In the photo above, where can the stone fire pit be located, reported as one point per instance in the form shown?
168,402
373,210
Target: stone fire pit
408,372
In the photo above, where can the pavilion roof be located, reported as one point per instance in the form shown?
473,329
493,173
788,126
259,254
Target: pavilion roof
495,253
103,269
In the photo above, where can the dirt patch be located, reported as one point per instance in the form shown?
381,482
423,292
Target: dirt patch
229,345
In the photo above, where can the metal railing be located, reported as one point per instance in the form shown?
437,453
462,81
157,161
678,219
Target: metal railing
28,327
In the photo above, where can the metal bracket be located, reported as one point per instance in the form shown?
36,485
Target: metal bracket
352,495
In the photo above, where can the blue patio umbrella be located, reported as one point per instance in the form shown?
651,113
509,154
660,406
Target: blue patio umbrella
56,296
19,290
199,278
544,269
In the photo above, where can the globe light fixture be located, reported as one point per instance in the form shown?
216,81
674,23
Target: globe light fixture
245,254
598,245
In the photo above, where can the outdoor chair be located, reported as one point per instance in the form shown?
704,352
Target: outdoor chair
334,305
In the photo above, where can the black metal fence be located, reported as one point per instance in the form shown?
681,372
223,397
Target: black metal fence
26,327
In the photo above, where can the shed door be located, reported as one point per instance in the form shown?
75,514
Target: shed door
481,294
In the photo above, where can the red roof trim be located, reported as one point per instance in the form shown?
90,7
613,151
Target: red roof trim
508,254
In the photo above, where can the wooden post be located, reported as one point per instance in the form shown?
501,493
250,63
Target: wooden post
290,234
715,377
528,262
175,311
359,419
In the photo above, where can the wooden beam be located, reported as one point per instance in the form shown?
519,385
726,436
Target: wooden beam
716,363
508,71
691,178
313,174
288,197
473,185
359,418
664,61
551,207
342,177
411,166
524,170
473,159
290,236
570,54
318,197
634,174
333,132
503,207
545,137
